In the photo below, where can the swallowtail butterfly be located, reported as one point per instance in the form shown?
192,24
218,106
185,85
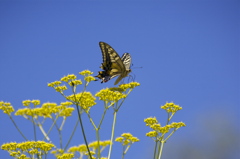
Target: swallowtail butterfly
113,65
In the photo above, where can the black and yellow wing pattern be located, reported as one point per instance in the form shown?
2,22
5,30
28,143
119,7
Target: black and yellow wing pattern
113,65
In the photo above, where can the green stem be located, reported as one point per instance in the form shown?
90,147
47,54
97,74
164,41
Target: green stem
170,134
83,132
161,148
44,133
34,130
112,135
75,128
80,118
17,128
155,149
104,113
50,129
98,143
123,152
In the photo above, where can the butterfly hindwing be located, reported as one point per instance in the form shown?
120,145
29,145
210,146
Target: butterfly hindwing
113,65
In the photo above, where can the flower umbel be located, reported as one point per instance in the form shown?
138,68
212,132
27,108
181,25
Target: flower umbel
6,107
159,132
32,147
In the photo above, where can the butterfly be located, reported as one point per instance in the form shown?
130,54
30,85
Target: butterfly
113,65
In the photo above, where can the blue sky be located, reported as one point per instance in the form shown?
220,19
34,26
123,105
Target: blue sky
189,53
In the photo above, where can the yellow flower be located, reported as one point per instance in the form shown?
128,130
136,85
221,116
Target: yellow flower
55,83
152,134
150,121
66,112
26,102
35,102
89,78
6,107
177,125
94,144
130,85
68,78
119,139
66,156
171,107
86,100
60,88
126,138
110,96
86,73
155,127
12,146
75,82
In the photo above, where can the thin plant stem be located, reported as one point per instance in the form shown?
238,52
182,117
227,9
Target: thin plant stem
155,149
98,143
83,132
34,130
161,148
50,129
75,128
80,118
123,152
17,128
112,135
44,133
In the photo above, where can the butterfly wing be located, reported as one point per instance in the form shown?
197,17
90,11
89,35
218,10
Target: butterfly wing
112,64
126,60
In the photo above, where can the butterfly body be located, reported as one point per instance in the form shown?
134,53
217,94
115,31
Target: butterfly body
113,65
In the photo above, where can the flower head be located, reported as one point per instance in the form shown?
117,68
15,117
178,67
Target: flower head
110,96
86,73
127,139
171,107
86,100
6,107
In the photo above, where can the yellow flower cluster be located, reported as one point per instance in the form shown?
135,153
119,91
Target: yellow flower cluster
28,102
54,84
150,121
31,147
127,139
46,110
86,100
152,134
158,129
171,107
68,78
110,96
94,144
130,85
82,149
75,83
86,73
65,156
6,107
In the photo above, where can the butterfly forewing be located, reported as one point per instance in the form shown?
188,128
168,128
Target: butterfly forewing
113,65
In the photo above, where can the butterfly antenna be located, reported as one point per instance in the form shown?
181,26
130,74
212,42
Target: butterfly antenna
135,67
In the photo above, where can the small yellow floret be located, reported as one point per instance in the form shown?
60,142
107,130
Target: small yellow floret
6,107
36,102
152,134
150,121
26,102
171,107
86,73
89,78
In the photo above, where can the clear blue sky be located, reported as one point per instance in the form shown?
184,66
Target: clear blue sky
189,52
